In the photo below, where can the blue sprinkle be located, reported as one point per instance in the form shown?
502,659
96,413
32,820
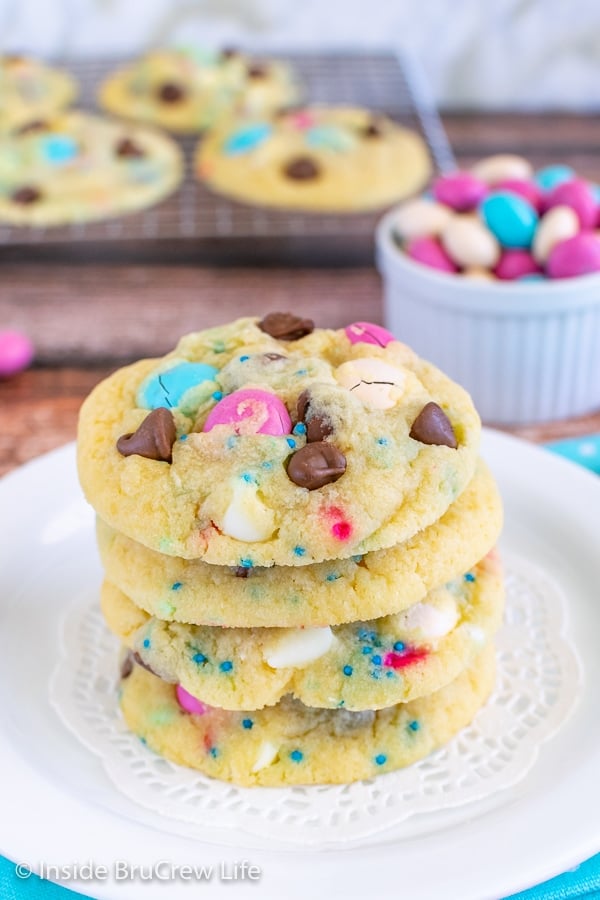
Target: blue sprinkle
357,559
301,372
213,752
469,577
231,442
399,646
390,674
267,465
248,478
382,441
333,576
146,643
183,437
244,358
247,723
367,650
380,759
246,563
299,551
291,442
177,585
414,726
143,740
347,670
226,666
364,634
376,674
376,660
300,428
217,395
296,755
199,658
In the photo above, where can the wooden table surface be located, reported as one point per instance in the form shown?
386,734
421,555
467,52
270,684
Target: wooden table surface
87,319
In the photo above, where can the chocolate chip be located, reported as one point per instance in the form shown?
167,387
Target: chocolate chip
302,168
33,126
286,326
316,465
169,92
242,571
229,52
127,666
432,426
153,439
26,195
317,426
257,70
372,130
127,147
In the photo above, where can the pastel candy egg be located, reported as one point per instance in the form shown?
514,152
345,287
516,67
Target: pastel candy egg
367,333
376,383
250,411
247,518
297,647
494,169
558,224
469,243
169,388
550,176
246,139
429,252
460,191
190,703
527,189
420,217
578,195
579,255
516,264
510,218
16,352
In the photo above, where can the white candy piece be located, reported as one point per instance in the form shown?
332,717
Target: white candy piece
374,382
428,621
497,168
298,647
247,518
479,274
469,243
419,218
476,633
559,224
267,753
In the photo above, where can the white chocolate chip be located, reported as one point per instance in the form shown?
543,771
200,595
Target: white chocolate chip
558,224
247,518
374,382
429,621
267,753
476,633
298,647
419,218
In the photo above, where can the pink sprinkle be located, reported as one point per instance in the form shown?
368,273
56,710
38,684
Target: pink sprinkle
341,530
189,703
406,658
367,333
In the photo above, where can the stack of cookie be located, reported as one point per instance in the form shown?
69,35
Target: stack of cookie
297,534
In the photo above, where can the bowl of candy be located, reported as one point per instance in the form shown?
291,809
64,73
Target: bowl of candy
494,275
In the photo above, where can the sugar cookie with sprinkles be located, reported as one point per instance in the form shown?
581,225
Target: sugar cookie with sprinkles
362,665
190,90
327,159
267,441
75,167
30,91
329,593
292,744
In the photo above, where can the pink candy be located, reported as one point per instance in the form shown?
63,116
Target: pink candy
190,703
367,333
251,411
579,255
526,189
460,191
16,352
515,264
575,193
429,252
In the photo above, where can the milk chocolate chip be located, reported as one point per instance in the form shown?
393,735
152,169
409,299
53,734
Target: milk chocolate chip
316,465
432,426
33,126
127,666
286,326
26,195
372,129
153,439
169,92
257,70
302,168
127,147
317,426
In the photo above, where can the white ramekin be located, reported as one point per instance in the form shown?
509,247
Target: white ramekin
526,351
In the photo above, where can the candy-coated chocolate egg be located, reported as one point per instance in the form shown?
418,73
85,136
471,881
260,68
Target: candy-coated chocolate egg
376,383
429,252
548,177
516,264
469,243
526,189
577,194
496,168
367,333
168,388
419,218
16,352
189,703
510,218
559,224
579,255
250,411
461,191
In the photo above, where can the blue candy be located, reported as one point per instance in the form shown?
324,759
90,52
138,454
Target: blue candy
168,388
510,218
59,148
246,139
550,176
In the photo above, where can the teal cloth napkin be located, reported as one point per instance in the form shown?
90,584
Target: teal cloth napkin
583,881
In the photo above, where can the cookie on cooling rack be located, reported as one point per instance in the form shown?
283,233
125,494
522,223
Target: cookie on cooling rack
327,159
75,167
30,91
190,90
270,442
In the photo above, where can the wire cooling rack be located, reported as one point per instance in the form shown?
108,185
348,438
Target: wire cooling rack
195,223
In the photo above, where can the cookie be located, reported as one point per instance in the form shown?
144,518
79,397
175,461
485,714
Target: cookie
191,90
270,442
294,744
30,91
327,159
362,665
361,587
76,167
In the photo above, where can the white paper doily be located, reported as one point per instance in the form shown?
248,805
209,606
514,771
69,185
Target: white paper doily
539,680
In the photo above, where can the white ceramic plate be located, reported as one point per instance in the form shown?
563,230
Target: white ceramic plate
54,792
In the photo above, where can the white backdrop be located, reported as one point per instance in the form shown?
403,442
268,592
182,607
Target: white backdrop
475,52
